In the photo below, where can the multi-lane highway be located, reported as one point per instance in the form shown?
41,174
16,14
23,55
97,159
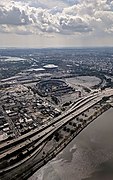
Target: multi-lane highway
34,140
37,131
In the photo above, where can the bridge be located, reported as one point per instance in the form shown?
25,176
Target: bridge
21,157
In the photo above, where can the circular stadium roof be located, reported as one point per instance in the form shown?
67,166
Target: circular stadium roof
50,66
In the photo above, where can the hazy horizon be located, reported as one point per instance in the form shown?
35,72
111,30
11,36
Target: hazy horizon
63,47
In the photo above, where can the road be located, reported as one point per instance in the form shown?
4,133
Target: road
39,136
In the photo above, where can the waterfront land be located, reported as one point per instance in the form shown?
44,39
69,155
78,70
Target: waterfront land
47,97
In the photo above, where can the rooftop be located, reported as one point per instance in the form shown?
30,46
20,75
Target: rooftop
50,66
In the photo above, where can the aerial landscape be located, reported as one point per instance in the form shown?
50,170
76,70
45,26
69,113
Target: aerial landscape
47,97
56,90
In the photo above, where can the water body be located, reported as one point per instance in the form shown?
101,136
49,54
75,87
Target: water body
88,157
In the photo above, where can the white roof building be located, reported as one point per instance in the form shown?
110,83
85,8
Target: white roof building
50,66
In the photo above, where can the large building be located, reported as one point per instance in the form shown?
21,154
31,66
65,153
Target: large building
50,67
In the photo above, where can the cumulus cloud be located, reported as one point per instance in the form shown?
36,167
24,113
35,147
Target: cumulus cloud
13,16
35,17
70,2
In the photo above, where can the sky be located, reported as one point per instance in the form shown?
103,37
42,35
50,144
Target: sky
56,23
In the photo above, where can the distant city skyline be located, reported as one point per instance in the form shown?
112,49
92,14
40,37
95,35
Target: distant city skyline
58,23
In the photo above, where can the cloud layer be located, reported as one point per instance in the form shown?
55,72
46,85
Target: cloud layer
70,17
